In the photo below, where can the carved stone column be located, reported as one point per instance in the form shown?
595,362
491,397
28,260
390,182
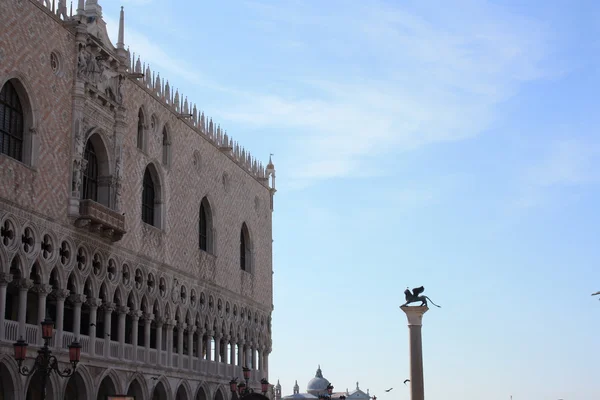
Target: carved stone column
159,346
415,322
108,308
23,285
191,330
135,316
77,300
209,336
241,358
122,311
232,353
200,346
180,329
148,317
93,304
60,295
5,279
170,324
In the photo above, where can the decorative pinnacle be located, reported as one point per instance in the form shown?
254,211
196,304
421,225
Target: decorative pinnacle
121,39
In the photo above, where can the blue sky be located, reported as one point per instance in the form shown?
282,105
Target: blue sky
453,145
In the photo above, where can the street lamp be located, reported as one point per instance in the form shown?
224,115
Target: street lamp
45,362
244,389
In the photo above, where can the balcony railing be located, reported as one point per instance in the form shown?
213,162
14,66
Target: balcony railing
100,219
11,330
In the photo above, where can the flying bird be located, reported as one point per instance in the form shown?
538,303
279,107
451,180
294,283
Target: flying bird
154,378
594,294
389,389
406,380
92,324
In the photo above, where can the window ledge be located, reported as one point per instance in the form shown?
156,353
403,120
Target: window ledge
100,219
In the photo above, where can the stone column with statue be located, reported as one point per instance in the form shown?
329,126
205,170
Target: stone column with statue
415,322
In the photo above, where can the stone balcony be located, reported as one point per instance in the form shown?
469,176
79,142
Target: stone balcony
101,220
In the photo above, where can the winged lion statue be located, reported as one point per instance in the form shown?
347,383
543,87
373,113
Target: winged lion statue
415,295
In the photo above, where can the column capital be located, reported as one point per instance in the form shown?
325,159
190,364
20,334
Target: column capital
414,314
93,302
135,314
122,310
5,278
61,294
159,321
181,326
147,316
24,284
77,298
108,307
170,323
192,328
42,289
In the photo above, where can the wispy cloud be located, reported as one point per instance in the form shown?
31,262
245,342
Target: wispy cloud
565,163
375,78
423,81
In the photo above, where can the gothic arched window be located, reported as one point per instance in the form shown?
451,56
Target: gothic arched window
245,260
205,227
140,130
148,198
89,187
11,122
166,147
202,228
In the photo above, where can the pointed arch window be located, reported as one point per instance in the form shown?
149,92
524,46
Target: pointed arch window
166,147
148,198
140,130
205,227
203,237
90,174
11,122
245,259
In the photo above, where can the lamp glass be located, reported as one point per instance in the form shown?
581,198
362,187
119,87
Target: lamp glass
75,352
246,373
264,387
47,328
233,385
20,348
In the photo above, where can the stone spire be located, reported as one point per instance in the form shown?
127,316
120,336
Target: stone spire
80,7
278,391
121,39
93,9
296,388
319,374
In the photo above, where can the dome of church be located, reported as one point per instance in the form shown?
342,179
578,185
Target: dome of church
318,384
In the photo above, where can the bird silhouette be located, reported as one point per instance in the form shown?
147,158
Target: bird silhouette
389,390
406,380
92,324
107,334
594,294
154,378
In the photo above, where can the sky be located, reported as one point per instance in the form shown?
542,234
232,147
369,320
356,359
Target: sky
450,144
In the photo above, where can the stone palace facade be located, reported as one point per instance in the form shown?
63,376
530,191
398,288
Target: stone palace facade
127,216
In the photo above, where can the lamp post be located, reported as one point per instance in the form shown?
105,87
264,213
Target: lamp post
243,389
45,362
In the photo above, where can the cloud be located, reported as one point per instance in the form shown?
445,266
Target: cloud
565,163
371,79
424,81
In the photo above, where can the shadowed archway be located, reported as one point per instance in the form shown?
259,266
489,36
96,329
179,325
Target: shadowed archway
107,388
34,390
135,390
8,388
159,392
76,388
